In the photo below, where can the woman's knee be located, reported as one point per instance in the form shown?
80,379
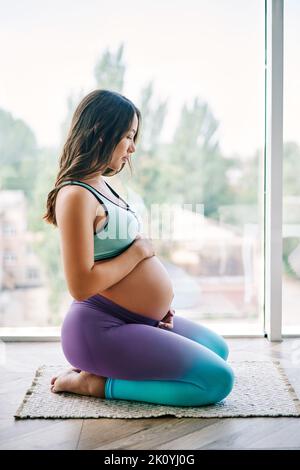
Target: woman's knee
217,344
222,348
223,382
202,335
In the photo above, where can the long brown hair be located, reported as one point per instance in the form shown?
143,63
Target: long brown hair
99,122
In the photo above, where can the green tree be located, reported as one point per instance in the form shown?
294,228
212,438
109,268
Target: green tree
109,70
249,188
27,167
148,161
18,154
197,170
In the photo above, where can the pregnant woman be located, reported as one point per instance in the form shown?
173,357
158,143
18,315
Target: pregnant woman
121,334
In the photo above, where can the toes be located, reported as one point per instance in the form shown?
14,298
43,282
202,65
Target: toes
56,376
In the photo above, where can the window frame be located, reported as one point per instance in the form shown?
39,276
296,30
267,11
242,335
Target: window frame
273,160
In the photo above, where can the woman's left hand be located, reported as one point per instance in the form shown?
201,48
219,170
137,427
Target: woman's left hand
167,321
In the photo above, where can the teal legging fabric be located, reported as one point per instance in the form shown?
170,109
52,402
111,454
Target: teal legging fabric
183,366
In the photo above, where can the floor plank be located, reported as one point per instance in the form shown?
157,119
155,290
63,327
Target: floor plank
40,434
235,433
156,433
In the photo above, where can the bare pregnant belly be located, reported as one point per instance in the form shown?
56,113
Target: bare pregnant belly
146,290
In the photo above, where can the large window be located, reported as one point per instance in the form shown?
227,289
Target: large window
291,171
196,71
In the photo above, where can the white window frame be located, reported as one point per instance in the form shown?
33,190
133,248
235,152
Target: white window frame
273,159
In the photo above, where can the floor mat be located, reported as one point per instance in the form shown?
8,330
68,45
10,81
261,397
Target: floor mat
261,389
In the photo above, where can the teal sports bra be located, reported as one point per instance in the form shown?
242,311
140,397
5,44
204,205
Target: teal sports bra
120,229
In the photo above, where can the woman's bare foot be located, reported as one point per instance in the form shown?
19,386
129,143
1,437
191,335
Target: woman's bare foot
82,383
55,376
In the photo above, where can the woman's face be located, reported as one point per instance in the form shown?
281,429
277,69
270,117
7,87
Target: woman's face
125,147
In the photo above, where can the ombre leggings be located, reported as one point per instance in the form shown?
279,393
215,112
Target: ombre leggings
183,366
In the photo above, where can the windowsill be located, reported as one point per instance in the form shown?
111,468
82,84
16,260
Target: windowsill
30,333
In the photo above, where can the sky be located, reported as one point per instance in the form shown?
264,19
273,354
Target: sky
210,49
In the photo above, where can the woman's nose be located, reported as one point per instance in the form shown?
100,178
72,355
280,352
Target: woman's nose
132,147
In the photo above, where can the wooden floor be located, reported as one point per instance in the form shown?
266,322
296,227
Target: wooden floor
18,362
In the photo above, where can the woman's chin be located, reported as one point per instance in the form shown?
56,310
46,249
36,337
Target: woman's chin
116,167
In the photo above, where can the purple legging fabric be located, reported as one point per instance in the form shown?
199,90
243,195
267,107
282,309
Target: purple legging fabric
183,366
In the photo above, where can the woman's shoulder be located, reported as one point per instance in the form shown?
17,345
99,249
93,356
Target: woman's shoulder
72,198
74,192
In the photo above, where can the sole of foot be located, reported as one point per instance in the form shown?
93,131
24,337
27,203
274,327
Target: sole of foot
80,382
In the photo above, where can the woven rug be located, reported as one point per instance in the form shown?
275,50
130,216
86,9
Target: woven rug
261,389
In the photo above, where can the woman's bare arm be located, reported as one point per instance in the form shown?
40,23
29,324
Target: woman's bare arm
105,273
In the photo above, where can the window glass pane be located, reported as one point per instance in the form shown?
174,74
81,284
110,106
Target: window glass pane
196,71
291,171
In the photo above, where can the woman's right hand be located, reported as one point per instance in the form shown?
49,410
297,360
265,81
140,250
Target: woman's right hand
144,246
